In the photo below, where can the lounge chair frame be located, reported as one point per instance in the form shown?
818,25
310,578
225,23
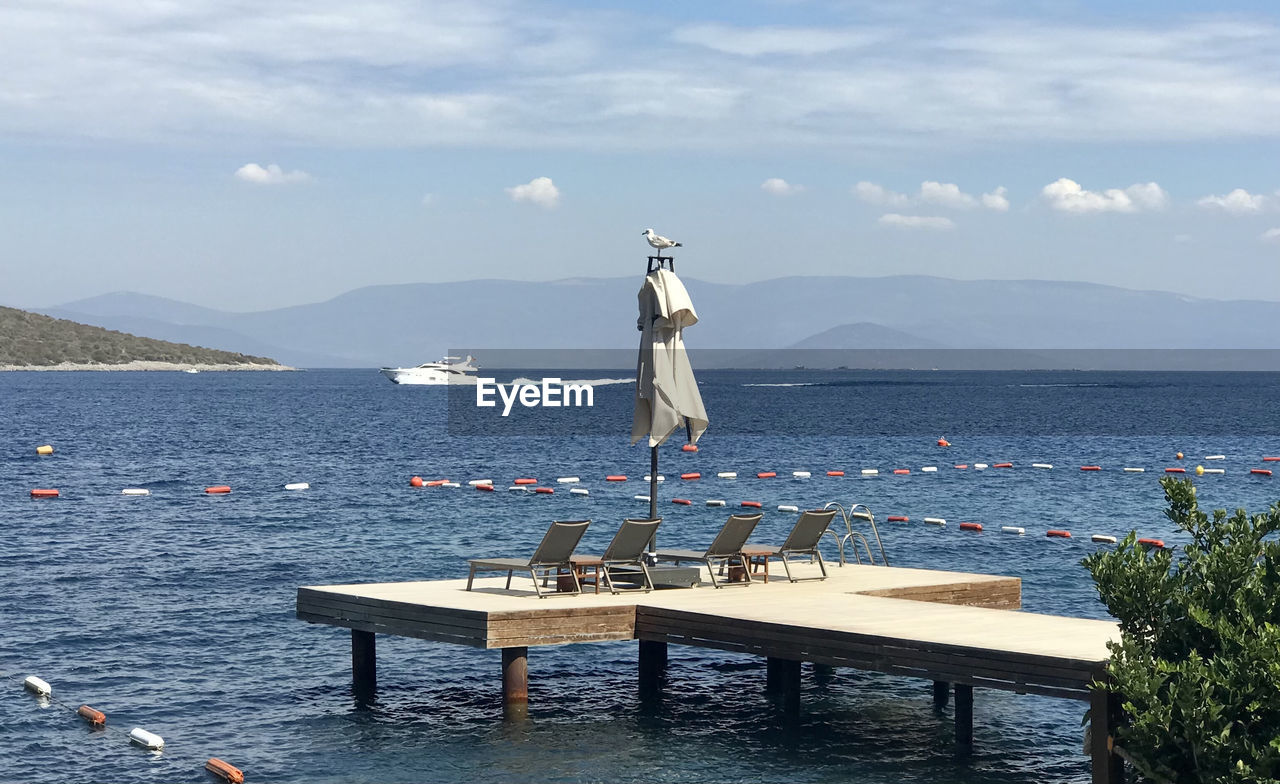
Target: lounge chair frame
627,549
803,540
552,555
724,549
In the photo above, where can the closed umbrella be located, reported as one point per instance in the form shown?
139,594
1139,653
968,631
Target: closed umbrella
666,391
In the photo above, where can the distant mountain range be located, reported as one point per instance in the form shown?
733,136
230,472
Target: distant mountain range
413,323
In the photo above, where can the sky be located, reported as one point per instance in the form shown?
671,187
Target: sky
247,155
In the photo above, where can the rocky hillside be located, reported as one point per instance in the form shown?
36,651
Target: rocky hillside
32,340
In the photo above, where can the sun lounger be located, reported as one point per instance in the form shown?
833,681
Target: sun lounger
803,540
626,550
726,548
551,557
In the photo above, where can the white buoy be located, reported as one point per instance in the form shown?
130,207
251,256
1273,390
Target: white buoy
1013,529
474,482
37,686
640,497
517,489
1215,470
1042,465
788,508
714,502
870,471
298,486
661,478
979,466
147,740
801,474
135,491
935,521
1215,457
861,515
1134,470
930,469
571,480
727,475
579,491
1103,538
451,484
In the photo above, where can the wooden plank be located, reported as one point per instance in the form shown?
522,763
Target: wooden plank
416,632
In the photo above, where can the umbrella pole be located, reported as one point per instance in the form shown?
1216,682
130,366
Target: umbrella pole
653,494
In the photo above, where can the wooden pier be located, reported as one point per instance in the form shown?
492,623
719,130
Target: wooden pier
949,627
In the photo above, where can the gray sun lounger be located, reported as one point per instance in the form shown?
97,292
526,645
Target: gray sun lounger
803,540
726,548
552,555
627,550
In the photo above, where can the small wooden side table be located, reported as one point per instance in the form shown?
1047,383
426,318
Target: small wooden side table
587,568
758,558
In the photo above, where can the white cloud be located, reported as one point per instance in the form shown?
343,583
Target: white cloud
1270,235
429,199
946,195
996,200
1237,202
271,174
540,191
1068,196
916,222
877,194
762,41
780,187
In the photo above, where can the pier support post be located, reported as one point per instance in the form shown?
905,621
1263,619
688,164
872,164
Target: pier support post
364,667
515,677
1104,711
941,694
782,677
772,675
653,662
964,714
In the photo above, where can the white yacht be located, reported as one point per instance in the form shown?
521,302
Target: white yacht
449,370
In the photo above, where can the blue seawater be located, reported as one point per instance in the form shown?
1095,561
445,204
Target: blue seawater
175,612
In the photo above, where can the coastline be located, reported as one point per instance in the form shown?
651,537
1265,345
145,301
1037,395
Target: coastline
147,365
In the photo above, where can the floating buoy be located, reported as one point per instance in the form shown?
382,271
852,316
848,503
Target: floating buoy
727,475
1158,543
661,478
1042,465
544,490
1103,538
870,471
971,526
479,482
1057,533
929,469
935,521
1215,457
218,489
682,501
1175,470
579,491
1260,471
37,686
526,481
766,474
689,448
616,478
147,740
801,474
450,484
753,504
980,466
962,466
691,475
1271,459
835,473
440,483
1199,470
1134,470
568,480
96,718
484,488
902,471
135,491
44,493
1002,465
714,502
640,497
943,442
898,519
44,450
298,486
415,481
224,770
788,508
1215,470
518,489
1013,529
1179,455
1090,468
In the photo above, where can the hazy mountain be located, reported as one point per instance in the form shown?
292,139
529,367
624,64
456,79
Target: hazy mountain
413,323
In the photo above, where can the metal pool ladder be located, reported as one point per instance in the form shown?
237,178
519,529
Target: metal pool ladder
852,537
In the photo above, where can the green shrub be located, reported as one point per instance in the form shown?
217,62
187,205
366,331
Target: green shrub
1198,668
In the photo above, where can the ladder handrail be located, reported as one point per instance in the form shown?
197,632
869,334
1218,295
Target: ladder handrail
852,536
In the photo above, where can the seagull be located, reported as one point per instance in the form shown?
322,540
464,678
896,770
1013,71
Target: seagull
660,242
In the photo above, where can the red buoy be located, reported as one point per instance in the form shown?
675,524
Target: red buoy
752,504
1090,468
616,478
962,466
415,481
682,501
484,488
943,442
691,475
44,493
971,526
1260,471
689,448
544,490
1058,533
434,482
766,474
218,490
1152,542
1175,470
835,473
902,470
526,481
224,770
898,519
1271,459
96,718
1002,465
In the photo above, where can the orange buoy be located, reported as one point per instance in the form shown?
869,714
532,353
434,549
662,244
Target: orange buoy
898,519
489,488
44,493
435,482
1057,533
1271,459
971,526
1002,465
835,473
526,481
902,470
1175,470
616,478
415,481
218,489
682,501
1152,542
1179,455
689,448
96,718
766,474
541,490
943,442
1090,468
753,504
1260,471
691,475
224,770
962,466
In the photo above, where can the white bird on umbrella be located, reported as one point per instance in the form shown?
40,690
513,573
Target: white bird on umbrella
660,242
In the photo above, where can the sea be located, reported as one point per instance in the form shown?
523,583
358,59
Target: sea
175,612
